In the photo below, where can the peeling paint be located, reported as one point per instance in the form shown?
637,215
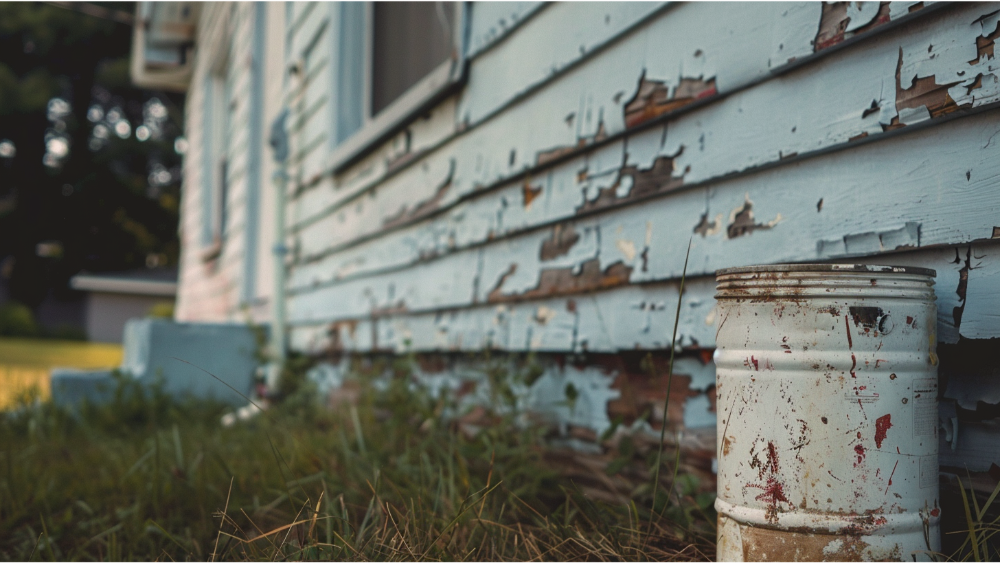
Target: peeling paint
903,237
566,281
544,314
423,208
627,248
981,273
922,99
551,155
529,193
705,228
741,221
708,166
659,178
405,263
653,98
842,18
559,244
584,421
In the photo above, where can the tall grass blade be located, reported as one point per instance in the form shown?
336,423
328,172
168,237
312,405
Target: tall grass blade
357,431
973,537
670,376
32,554
178,450
220,380
989,501
222,520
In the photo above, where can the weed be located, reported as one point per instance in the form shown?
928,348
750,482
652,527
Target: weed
981,526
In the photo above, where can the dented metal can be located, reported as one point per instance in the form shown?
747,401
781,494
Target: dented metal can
827,413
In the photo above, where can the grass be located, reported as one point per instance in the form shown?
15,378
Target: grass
981,525
25,363
385,478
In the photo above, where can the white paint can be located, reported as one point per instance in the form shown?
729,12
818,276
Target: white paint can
827,413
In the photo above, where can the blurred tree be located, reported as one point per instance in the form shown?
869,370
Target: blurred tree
89,172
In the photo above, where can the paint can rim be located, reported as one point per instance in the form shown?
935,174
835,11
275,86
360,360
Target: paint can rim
833,268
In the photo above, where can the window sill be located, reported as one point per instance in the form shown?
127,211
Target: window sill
211,252
431,89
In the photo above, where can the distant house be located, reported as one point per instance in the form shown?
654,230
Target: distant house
114,298
524,177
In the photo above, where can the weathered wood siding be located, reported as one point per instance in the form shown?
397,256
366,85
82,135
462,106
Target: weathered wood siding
232,283
546,206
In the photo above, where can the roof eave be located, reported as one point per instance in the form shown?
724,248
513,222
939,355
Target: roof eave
167,30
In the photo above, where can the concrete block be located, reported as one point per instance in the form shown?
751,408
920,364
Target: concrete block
184,354
71,387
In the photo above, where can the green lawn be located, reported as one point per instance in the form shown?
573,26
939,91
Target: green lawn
25,363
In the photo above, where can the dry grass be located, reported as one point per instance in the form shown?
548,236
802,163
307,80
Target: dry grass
25,363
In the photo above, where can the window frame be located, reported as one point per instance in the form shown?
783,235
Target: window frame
440,82
216,122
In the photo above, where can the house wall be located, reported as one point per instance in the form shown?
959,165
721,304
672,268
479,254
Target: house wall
230,278
107,313
546,207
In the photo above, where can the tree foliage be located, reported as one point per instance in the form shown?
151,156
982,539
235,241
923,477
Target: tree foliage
97,196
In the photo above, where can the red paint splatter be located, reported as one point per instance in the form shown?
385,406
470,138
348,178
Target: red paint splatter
774,492
890,477
854,364
936,512
882,425
847,323
860,450
755,366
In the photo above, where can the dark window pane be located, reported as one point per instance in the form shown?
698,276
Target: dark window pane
350,85
223,197
410,40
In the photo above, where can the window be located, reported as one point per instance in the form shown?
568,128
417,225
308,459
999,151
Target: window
409,40
391,61
217,108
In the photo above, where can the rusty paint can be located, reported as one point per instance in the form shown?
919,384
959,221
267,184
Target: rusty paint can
827,413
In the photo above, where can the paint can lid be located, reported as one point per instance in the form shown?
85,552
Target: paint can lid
852,268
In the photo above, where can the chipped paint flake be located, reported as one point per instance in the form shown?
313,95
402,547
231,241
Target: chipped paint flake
627,248
741,220
544,314
655,97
